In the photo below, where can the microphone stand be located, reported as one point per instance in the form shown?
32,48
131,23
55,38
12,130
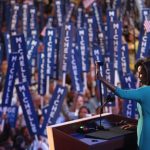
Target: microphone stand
109,98
101,127
98,69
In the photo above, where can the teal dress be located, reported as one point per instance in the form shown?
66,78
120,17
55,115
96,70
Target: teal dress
140,123
142,96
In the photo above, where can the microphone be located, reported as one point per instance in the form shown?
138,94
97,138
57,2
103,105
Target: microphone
110,97
98,65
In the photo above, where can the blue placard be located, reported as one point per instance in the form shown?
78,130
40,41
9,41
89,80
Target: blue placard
10,79
102,43
69,13
91,31
32,24
98,16
25,20
79,17
124,59
59,12
145,13
75,71
115,44
56,59
97,54
14,19
54,108
32,49
41,74
111,17
12,113
82,39
49,42
19,45
28,108
108,72
143,49
7,44
129,106
65,46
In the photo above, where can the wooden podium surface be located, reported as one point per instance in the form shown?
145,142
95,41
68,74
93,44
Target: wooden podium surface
65,136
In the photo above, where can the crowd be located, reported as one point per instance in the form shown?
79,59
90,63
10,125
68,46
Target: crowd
75,105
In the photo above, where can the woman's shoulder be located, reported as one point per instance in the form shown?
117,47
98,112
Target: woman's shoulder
145,88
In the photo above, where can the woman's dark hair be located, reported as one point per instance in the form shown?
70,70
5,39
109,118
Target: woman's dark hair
138,63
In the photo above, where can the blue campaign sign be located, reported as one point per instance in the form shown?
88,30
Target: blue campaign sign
49,42
75,72
59,12
79,17
111,17
145,13
124,60
116,42
25,19
7,44
32,22
108,73
82,41
97,53
41,74
129,106
97,15
143,49
19,45
27,107
56,59
55,105
65,46
91,30
12,113
68,15
14,18
32,49
10,79
102,43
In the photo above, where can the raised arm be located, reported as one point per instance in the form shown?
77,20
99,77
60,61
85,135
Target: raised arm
130,94
103,80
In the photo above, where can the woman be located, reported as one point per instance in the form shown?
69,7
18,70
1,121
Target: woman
142,96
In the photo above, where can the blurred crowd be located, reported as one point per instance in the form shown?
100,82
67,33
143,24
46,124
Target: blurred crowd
75,105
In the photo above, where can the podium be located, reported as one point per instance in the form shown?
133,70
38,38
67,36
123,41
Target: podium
66,136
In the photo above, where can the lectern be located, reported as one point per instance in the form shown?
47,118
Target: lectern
67,136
